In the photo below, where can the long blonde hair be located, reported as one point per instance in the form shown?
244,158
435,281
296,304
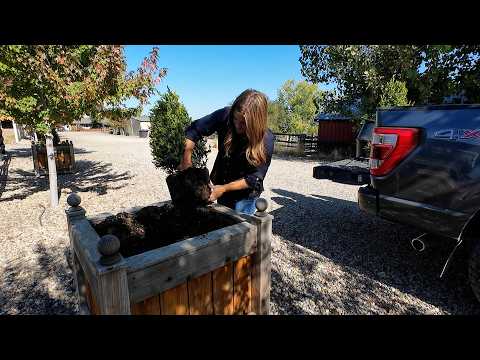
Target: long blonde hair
253,105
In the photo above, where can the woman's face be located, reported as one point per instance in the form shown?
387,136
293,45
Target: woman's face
239,122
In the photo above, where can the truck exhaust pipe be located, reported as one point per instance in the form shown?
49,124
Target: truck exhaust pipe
419,243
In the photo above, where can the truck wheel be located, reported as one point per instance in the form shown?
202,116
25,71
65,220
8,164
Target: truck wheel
474,269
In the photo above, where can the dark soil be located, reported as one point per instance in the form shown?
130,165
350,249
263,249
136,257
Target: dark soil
189,188
153,227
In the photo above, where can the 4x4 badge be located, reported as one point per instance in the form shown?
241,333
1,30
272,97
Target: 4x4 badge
455,134
450,134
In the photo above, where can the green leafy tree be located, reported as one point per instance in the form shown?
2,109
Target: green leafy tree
45,85
277,117
168,121
295,108
394,94
360,73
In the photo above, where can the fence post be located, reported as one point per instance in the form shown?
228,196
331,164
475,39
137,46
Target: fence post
301,144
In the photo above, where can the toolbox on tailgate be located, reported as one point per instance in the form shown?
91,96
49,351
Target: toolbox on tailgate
347,171
354,171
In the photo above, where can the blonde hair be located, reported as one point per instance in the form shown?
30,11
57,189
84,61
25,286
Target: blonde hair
252,104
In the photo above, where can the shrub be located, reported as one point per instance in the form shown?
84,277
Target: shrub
168,121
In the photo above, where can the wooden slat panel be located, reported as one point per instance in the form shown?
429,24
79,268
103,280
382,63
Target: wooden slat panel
161,269
192,245
223,290
175,301
242,286
85,241
92,305
200,295
150,306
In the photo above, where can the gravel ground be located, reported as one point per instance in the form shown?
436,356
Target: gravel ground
328,256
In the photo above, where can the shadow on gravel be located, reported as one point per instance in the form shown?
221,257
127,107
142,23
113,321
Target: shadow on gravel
372,251
23,285
20,153
89,176
82,151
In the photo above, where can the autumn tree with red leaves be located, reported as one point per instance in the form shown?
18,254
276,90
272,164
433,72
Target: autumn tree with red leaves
42,86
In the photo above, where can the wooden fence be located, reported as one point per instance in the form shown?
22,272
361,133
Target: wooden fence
300,144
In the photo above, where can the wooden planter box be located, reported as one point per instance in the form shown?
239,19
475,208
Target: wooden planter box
226,271
64,158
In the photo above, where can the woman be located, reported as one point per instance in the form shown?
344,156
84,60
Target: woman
2,144
245,147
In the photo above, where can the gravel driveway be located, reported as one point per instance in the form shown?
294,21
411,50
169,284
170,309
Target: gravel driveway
328,256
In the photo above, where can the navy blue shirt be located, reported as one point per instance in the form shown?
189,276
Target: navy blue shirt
236,166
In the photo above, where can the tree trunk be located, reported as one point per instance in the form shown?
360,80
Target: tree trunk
15,131
52,170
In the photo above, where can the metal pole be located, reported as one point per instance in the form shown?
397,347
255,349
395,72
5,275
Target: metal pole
52,171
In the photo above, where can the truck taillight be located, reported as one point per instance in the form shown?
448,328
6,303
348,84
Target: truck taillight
389,147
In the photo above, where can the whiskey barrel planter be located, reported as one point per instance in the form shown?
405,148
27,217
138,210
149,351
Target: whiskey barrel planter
64,158
222,272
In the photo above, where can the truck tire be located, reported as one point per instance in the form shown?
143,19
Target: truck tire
474,269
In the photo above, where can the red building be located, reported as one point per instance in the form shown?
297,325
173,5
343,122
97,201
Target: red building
335,129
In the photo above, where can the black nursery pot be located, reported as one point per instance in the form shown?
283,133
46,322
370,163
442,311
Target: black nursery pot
190,187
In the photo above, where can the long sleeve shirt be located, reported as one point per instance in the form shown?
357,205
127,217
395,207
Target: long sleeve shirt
235,166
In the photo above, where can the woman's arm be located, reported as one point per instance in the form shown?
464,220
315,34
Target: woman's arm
202,127
219,190
187,155
255,179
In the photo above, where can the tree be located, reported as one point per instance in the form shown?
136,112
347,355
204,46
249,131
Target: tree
295,108
360,73
394,94
45,85
168,121
277,117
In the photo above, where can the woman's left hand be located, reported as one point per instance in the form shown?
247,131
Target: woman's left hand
217,191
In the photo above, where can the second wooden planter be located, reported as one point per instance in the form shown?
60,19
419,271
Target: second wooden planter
64,158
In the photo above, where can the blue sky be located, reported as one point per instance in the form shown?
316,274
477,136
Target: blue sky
208,77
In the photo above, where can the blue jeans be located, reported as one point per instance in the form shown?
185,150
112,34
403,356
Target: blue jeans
246,206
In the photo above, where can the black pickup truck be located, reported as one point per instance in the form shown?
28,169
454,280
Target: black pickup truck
423,170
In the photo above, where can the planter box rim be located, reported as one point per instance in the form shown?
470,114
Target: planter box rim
183,247
178,248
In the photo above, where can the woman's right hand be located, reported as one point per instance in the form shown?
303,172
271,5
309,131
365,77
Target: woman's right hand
184,165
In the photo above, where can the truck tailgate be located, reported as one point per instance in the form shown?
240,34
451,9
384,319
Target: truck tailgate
347,171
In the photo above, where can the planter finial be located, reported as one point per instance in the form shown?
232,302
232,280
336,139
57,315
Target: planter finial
261,204
75,211
109,247
74,200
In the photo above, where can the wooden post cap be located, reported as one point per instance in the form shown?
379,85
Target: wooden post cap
261,204
109,248
74,200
